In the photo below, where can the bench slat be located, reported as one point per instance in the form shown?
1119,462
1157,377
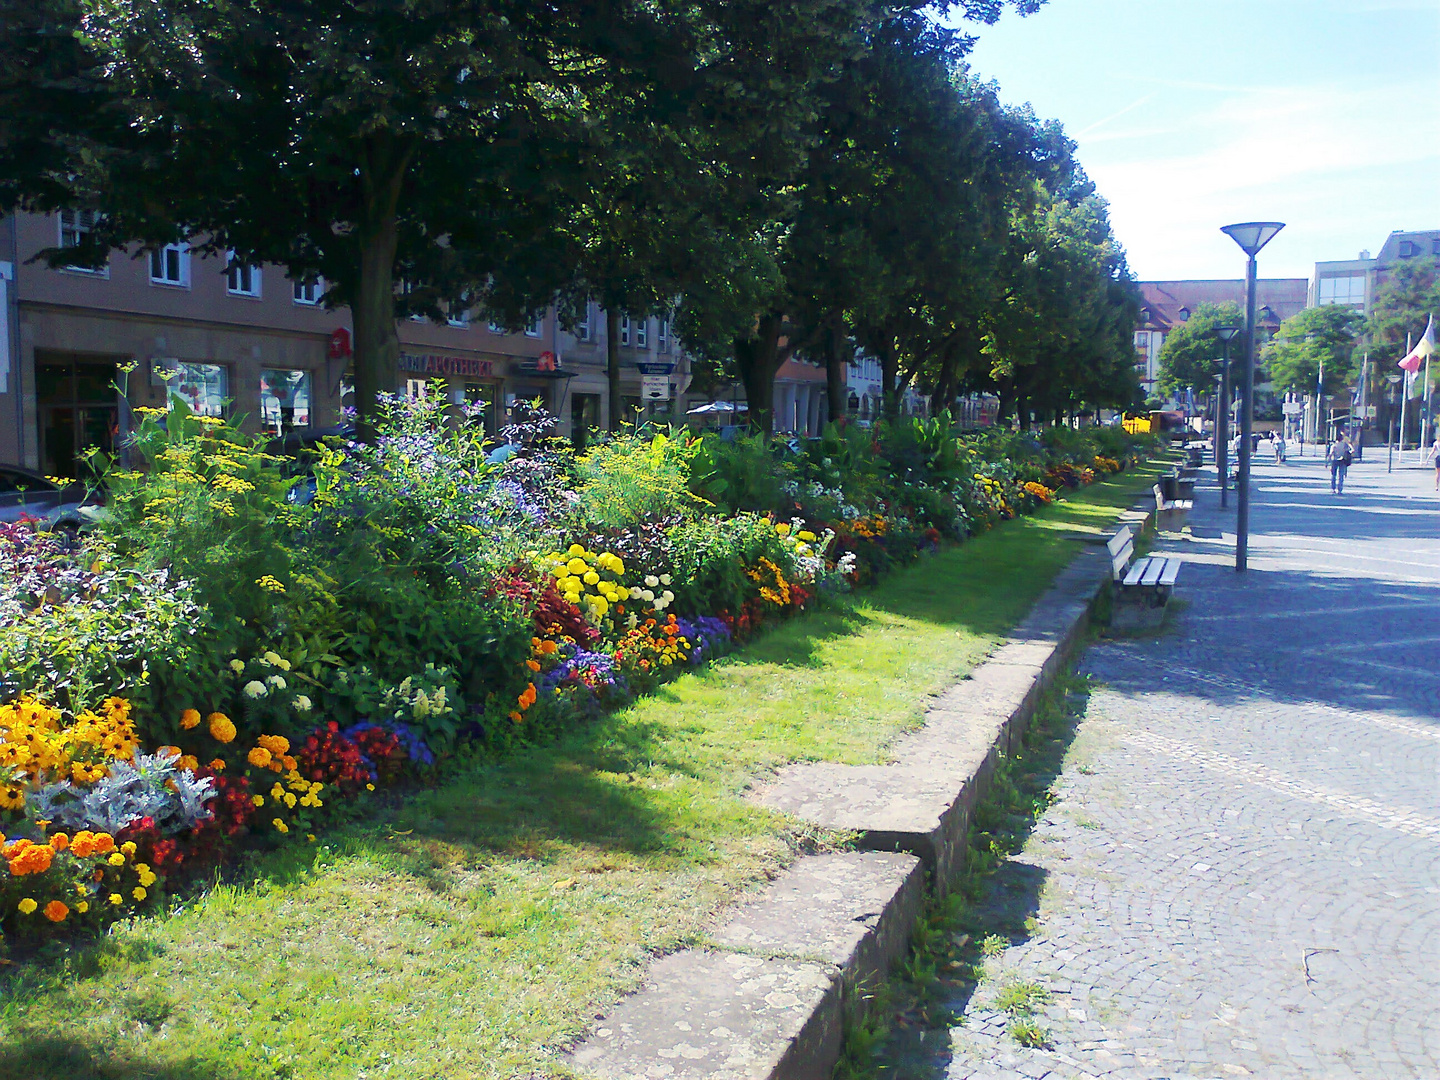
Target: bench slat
1153,572
1120,541
1171,572
1136,570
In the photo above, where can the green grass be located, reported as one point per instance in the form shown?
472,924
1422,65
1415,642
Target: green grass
484,924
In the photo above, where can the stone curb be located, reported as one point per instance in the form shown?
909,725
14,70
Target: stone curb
769,996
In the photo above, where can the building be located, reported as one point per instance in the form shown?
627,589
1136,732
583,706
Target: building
249,344
1355,281
865,384
1167,304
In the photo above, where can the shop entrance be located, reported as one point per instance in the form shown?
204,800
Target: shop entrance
77,407
584,418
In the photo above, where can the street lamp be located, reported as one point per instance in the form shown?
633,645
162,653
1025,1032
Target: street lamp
1251,236
1222,426
1394,381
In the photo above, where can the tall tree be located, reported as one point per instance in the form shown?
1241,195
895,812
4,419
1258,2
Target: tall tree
442,142
1189,359
1314,341
1406,298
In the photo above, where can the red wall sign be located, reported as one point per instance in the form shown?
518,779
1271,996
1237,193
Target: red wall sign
339,343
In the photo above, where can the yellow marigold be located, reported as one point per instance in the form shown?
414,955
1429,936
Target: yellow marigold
128,847
222,728
116,859
82,906
139,892
27,906
56,911
257,800
218,764
190,718
280,825
259,757
116,899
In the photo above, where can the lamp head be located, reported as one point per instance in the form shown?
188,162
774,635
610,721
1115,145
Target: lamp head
1225,333
1253,235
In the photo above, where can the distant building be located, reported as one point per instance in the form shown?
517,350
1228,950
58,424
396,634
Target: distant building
1167,304
1354,282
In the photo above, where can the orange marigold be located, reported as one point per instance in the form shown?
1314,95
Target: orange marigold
190,718
222,728
55,911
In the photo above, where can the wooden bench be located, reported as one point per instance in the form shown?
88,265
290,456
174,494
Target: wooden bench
1141,587
1170,515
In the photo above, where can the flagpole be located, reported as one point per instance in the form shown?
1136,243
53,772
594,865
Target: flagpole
1404,396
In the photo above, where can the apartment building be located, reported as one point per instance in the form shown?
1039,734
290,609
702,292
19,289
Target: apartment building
251,345
1354,281
1167,304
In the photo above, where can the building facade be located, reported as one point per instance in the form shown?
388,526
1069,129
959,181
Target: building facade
1167,304
253,346
1354,282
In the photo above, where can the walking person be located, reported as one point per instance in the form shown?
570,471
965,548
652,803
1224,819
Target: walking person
1279,449
1339,456
1435,453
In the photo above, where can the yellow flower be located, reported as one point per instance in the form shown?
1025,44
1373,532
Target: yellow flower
27,906
82,906
138,892
369,787
190,718
116,859
290,800
222,728
128,848
782,528
116,899
258,756
280,825
258,800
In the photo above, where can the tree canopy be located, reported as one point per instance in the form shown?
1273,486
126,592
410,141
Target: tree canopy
1190,357
1406,298
1316,340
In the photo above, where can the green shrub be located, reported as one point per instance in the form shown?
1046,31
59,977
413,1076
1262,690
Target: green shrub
632,477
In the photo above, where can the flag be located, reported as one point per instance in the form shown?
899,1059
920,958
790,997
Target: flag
1423,348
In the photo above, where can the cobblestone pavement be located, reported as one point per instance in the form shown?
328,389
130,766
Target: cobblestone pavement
1241,876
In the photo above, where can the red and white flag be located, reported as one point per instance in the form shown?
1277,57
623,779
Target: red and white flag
1423,348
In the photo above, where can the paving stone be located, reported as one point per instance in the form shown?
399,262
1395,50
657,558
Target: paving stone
720,1016
854,910
1258,788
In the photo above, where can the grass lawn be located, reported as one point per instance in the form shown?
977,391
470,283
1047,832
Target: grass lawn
481,928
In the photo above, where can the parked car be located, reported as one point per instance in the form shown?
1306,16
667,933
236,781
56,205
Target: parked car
26,493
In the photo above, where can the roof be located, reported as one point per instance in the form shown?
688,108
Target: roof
1168,303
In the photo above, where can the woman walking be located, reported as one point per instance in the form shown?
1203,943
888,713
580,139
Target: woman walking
1339,457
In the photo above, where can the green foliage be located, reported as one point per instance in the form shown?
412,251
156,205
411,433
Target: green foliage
711,557
748,472
1316,339
631,477
1405,299
1191,353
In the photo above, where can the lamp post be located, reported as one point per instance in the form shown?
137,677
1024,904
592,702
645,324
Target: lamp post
1222,428
1394,381
1251,236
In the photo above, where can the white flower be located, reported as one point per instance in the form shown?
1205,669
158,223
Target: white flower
648,595
283,665
668,596
633,621
651,580
302,703
272,658
255,689
237,665
276,681
665,579
405,686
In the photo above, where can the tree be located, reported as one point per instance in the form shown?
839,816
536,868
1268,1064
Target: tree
1405,299
1189,359
1316,340
442,143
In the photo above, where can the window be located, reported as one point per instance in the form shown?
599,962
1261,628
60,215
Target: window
170,265
1184,314
642,330
241,279
284,399
203,387
1343,290
75,226
457,313
496,328
309,291
1409,249
582,324
663,336
534,326
625,330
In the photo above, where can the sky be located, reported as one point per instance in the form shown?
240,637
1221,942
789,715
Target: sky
1192,114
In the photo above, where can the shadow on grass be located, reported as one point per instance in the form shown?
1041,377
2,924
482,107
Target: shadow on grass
53,1057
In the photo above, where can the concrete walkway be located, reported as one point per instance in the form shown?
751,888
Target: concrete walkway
1241,876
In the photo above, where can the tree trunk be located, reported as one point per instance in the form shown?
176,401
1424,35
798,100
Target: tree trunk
837,389
612,366
758,359
890,375
1006,395
1022,407
377,345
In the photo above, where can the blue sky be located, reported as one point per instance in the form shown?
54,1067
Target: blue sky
1192,114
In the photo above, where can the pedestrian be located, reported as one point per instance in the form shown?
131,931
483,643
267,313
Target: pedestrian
1339,456
1435,453
1279,449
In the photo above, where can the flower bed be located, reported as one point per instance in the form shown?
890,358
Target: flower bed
242,669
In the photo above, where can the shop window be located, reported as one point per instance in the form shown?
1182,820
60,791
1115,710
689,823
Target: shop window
203,387
285,399
309,291
170,265
414,389
241,279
